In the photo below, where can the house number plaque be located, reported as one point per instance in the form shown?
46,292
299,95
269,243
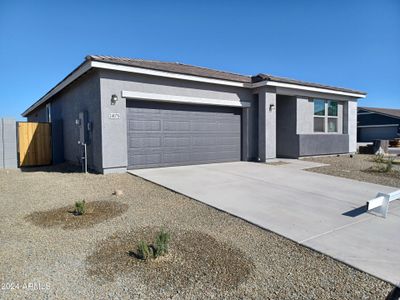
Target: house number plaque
114,116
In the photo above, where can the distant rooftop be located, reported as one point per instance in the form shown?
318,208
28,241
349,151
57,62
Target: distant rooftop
384,111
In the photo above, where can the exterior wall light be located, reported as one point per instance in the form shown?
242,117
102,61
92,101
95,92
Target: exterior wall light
271,107
114,99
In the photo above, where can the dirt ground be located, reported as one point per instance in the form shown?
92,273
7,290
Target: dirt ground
212,255
359,167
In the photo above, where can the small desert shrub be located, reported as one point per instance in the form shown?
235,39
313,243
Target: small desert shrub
144,251
379,158
160,248
389,165
80,207
384,166
161,244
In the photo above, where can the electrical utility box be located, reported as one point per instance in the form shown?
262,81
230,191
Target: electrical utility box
84,127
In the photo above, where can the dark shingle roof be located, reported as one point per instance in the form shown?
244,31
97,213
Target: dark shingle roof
384,111
174,67
182,69
261,77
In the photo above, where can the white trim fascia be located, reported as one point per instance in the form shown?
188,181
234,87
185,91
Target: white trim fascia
73,76
259,84
95,64
306,88
144,71
182,99
382,125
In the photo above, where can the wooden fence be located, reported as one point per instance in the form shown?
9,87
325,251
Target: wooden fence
34,141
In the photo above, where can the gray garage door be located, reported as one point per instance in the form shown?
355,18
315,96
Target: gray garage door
168,134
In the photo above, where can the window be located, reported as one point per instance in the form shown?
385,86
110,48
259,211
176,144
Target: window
325,116
319,107
48,112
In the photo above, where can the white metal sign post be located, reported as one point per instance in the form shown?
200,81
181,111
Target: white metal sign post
381,202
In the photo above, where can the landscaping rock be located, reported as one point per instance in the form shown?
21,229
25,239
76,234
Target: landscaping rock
118,193
207,246
68,218
360,167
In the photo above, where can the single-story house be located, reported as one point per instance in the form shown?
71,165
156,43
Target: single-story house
377,124
139,113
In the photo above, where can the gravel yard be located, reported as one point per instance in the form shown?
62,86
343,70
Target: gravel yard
357,167
213,254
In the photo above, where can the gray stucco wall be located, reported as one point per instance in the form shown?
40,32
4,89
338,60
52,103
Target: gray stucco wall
114,130
287,144
8,144
38,115
81,95
351,124
347,111
266,122
305,115
295,129
320,144
310,143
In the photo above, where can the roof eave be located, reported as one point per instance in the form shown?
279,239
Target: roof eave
259,80
90,63
325,90
75,74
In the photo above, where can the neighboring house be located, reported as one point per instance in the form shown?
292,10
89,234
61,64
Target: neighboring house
152,114
377,124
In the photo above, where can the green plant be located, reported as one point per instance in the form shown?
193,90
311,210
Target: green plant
80,207
379,158
161,243
144,251
389,165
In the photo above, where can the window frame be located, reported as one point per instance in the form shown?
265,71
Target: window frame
48,112
326,116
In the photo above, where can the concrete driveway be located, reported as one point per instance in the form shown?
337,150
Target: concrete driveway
319,211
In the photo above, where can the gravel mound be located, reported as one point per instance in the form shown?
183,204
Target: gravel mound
195,261
359,167
96,212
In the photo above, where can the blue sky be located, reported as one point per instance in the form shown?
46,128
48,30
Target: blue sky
349,43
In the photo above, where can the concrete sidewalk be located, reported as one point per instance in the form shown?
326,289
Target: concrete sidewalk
319,211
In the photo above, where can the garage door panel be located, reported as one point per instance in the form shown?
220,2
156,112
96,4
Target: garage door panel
176,126
212,156
177,141
229,141
228,127
166,134
146,111
144,125
147,159
144,142
205,125
176,157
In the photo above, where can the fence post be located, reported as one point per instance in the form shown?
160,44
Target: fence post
8,143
